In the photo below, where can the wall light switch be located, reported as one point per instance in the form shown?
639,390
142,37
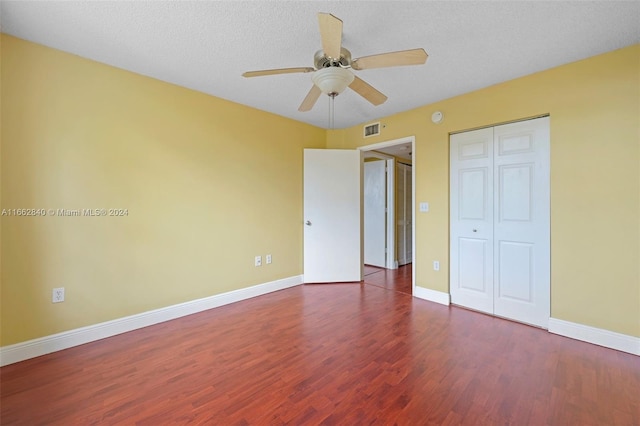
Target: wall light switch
424,207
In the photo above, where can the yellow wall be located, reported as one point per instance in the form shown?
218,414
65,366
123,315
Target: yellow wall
594,106
208,185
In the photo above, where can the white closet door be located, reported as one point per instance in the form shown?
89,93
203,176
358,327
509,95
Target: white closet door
471,224
521,226
500,231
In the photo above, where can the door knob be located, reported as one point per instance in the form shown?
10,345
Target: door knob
475,230
308,223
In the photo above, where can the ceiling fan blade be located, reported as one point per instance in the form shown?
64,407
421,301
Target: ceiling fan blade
277,71
310,99
331,34
391,59
367,91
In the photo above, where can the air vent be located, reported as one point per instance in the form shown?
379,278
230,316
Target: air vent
371,130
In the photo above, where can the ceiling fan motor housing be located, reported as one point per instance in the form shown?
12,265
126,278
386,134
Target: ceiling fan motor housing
321,60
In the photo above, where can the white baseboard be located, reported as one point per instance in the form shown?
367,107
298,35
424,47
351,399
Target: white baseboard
432,295
67,339
598,336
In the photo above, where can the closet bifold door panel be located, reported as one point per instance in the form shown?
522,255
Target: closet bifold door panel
500,231
521,230
471,222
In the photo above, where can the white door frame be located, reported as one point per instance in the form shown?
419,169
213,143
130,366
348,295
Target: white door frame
387,144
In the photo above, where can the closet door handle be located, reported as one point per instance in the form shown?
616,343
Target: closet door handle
475,230
308,223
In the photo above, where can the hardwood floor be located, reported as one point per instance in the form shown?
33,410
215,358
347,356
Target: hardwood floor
335,354
391,279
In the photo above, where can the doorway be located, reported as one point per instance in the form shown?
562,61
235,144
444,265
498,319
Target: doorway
400,233
379,210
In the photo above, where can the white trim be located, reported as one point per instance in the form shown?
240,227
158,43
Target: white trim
597,336
67,339
387,144
376,154
413,219
432,295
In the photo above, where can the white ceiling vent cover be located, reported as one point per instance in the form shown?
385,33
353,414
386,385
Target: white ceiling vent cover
372,129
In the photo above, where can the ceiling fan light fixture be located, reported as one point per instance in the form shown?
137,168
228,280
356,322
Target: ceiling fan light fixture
333,64
332,80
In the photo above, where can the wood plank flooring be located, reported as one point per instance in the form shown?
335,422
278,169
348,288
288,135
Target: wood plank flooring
334,354
391,279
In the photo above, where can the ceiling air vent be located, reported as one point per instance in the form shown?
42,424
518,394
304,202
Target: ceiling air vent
372,130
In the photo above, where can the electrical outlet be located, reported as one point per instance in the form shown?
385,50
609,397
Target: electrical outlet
58,295
436,265
268,259
258,260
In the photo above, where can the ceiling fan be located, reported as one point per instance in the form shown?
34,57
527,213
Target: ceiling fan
332,63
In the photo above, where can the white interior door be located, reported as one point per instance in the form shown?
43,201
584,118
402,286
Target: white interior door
471,198
332,216
521,224
500,233
375,206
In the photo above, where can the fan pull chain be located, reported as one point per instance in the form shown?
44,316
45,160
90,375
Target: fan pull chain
331,110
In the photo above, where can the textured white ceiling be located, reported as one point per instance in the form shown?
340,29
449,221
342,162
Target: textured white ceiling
207,45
